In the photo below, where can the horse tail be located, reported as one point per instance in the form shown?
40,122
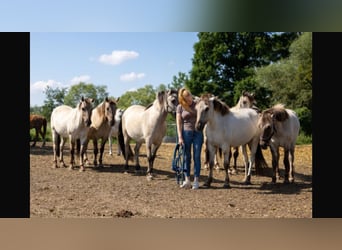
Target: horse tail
122,144
260,162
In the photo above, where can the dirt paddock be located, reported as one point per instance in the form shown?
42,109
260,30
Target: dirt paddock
109,193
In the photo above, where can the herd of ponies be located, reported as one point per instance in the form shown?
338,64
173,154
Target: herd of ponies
225,129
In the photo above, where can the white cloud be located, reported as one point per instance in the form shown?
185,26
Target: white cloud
118,56
41,85
78,79
131,76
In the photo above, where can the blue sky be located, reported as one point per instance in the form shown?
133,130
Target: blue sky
122,61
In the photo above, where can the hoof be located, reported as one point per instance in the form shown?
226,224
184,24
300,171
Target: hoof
82,169
247,180
226,185
149,177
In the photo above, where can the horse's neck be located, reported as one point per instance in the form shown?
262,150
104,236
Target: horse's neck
214,123
96,120
158,112
75,118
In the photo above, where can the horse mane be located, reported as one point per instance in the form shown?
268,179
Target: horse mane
277,112
149,106
219,105
280,113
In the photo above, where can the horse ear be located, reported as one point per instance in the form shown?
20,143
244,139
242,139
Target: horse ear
117,99
106,99
82,98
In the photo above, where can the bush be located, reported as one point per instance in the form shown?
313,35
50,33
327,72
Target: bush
303,139
305,119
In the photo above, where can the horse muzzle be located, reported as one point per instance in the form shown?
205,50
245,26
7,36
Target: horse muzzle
199,126
88,123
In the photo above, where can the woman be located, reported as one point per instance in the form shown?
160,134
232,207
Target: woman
189,136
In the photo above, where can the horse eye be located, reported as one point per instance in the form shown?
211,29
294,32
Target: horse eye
83,109
206,109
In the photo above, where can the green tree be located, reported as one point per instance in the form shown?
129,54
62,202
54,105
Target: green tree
222,59
73,96
142,96
179,81
54,98
290,80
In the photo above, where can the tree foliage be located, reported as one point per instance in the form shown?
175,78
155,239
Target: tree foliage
75,93
222,59
289,81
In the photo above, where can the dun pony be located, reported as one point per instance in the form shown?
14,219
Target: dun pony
146,125
280,128
73,124
226,129
246,100
102,121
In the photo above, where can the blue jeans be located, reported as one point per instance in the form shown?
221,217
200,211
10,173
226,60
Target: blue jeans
194,138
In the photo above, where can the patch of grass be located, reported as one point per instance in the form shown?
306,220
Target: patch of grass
303,139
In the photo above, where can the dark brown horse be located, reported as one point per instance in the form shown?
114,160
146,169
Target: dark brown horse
39,123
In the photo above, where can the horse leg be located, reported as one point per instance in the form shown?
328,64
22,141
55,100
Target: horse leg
216,163
291,161
110,145
103,143
211,153
275,164
83,152
226,162
119,148
42,135
236,154
153,151
127,150
247,179
287,166
61,155
72,154
35,138
206,157
96,150
136,155
55,149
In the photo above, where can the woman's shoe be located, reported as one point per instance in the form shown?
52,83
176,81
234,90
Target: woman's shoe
186,184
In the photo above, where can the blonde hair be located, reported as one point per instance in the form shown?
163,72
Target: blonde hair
181,98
